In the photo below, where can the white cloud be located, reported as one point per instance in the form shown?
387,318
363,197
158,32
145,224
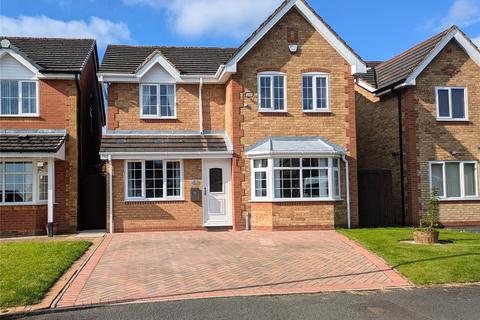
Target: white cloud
232,18
462,13
105,31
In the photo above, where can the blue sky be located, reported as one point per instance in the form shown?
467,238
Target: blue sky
375,29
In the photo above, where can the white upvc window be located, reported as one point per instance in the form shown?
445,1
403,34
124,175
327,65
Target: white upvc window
19,98
452,104
158,101
315,92
153,180
454,180
295,179
23,182
272,92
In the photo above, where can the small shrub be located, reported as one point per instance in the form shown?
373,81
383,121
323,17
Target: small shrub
429,220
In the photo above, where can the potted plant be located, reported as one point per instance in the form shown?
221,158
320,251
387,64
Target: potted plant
427,232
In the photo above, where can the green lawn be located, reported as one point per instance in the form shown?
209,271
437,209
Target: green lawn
29,268
455,262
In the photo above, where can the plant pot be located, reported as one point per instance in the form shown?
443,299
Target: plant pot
425,236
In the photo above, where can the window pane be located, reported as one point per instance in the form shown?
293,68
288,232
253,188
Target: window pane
1,181
134,179
9,97
321,92
278,93
260,184
469,178
443,103
154,179
18,182
216,180
437,178
29,97
265,93
307,103
458,103
43,188
173,179
336,182
311,183
167,100
263,163
453,179
149,100
287,183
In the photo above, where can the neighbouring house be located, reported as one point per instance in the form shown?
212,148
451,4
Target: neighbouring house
260,136
418,128
51,117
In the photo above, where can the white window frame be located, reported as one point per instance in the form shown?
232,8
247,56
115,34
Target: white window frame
158,115
462,179
20,102
437,103
314,76
271,176
271,74
143,196
35,183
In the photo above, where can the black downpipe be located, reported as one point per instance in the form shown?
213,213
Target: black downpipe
400,138
79,145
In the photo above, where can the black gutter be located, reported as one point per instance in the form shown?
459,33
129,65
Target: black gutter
79,144
402,160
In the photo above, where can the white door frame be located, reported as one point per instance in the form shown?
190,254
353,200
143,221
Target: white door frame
227,164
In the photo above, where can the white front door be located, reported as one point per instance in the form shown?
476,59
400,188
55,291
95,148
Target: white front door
217,210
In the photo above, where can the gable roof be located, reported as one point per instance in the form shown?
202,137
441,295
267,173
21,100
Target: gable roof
187,60
52,54
314,19
293,145
404,68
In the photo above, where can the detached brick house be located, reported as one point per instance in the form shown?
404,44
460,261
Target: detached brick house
51,115
418,124
263,134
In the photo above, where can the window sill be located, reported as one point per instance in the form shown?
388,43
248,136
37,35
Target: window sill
144,200
19,116
157,118
271,111
446,200
12,204
452,120
317,111
294,200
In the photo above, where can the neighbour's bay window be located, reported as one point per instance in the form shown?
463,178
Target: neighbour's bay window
296,179
18,98
153,180
451,103
454,179
157,101
23,182
315,92
271,92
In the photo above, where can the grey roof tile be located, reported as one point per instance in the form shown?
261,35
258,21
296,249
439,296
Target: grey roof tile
31,142
53,54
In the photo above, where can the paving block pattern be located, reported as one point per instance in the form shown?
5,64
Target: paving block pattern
180,265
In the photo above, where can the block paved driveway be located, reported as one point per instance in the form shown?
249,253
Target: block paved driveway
180,265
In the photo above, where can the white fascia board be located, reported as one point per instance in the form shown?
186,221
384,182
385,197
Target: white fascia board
19,58
187,79
231,66
469,48
60,154
365,86
57,76
160,59
165,155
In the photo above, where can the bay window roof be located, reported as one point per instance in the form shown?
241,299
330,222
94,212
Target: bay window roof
286,146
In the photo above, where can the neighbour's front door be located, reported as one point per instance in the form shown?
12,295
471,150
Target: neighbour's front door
216,193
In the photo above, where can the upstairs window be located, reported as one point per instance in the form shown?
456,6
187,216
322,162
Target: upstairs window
18,98
451,103
271,92
157,101
315,92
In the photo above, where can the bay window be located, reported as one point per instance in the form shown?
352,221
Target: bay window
18,98
23,182
315,92
153,180
157,101
296,179
454,179
451,103
271,92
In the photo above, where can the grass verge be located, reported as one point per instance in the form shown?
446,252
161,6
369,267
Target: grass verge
456,261
29,268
